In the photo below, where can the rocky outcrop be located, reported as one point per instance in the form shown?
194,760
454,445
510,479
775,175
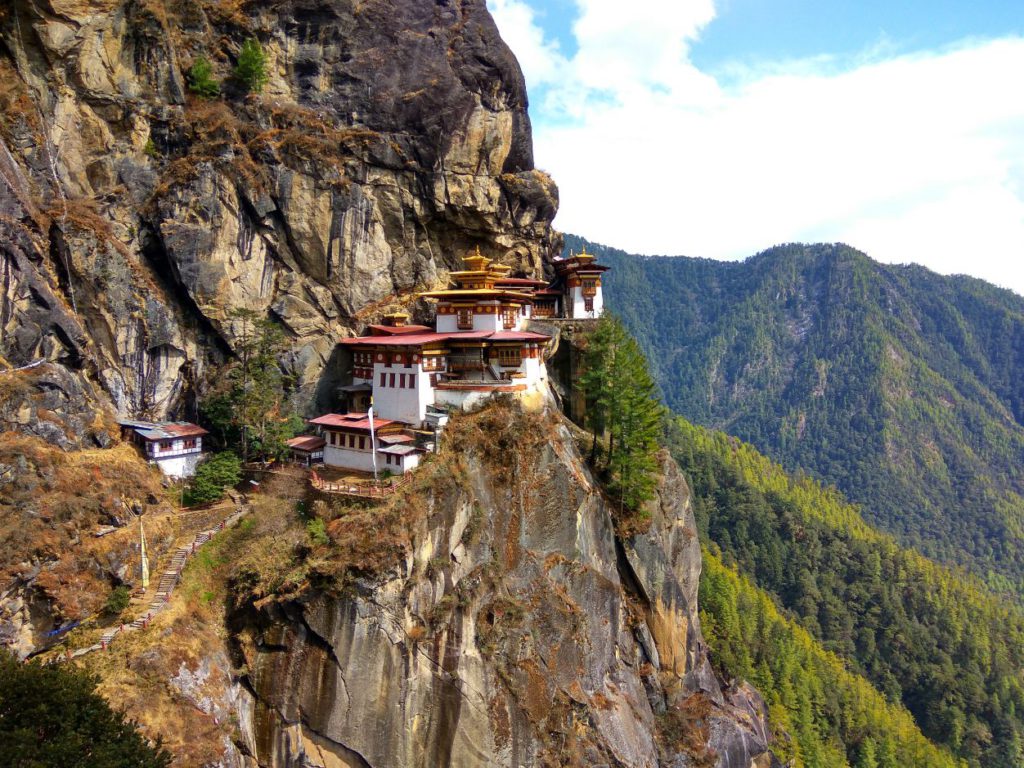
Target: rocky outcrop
390,139
520,630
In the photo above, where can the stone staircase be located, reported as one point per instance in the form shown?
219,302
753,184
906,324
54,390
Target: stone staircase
165,586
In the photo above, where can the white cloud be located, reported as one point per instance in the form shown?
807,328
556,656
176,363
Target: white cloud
913,158
539,58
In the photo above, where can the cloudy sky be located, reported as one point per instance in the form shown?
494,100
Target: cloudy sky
721,127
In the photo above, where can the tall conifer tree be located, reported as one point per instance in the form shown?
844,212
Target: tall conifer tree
622,406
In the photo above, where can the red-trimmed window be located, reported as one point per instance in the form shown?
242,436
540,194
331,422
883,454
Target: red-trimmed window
510,357
465,319
391,381
383,379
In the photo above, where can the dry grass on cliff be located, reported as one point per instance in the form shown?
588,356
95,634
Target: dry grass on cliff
50,504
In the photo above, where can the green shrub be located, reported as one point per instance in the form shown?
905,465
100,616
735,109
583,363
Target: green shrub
222,471
317,531
117,601
252,66
52,716
200,79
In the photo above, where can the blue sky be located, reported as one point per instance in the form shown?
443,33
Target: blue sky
719,128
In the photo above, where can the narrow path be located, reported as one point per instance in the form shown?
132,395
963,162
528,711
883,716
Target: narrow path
169,579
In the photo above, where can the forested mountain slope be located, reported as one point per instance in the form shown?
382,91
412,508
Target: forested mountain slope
903,387
926,636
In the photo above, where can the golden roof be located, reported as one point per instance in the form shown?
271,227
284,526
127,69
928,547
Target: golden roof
476,293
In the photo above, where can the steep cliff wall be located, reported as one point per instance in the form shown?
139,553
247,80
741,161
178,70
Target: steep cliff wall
513,626
134,216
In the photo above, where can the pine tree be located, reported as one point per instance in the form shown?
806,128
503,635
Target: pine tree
249,405
252,66
52,716
200,79
621,404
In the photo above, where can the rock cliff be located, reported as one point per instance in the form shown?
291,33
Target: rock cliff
518,624
390,139
504,615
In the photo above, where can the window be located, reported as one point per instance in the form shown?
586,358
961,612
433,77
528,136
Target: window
383,379
351,441
510,356
465,319
362,442
588,303
401,381
190,443
166,445
392,381
508,317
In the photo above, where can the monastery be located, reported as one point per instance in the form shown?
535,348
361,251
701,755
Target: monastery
412,375
175,446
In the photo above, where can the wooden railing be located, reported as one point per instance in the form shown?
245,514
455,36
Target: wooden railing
364,489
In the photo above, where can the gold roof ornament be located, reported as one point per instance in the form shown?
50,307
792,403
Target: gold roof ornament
476,262
584,256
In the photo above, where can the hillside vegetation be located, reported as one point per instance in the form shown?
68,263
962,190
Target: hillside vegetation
902,387
927,637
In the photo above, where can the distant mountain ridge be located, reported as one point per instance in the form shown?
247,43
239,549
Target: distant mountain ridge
903,387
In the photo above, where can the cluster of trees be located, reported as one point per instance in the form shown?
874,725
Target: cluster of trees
53,716
902,387
623,408
250,72
833,717
247,409
930,638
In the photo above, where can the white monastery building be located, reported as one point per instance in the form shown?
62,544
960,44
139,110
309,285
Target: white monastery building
479,346
175,446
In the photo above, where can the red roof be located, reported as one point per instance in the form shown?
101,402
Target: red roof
308,443
517,336
355,421
185,430
412,339
419,339
393,439
399,330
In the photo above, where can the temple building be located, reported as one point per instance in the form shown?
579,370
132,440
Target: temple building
307,450
578,287
352,442
480,345
175,446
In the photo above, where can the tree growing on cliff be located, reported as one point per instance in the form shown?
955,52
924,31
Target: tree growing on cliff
248,409
251,69
621,405
200,79
52,716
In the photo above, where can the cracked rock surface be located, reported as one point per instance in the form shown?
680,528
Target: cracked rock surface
391,139
521,630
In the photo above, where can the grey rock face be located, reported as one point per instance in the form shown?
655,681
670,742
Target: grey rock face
391,139
515,634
